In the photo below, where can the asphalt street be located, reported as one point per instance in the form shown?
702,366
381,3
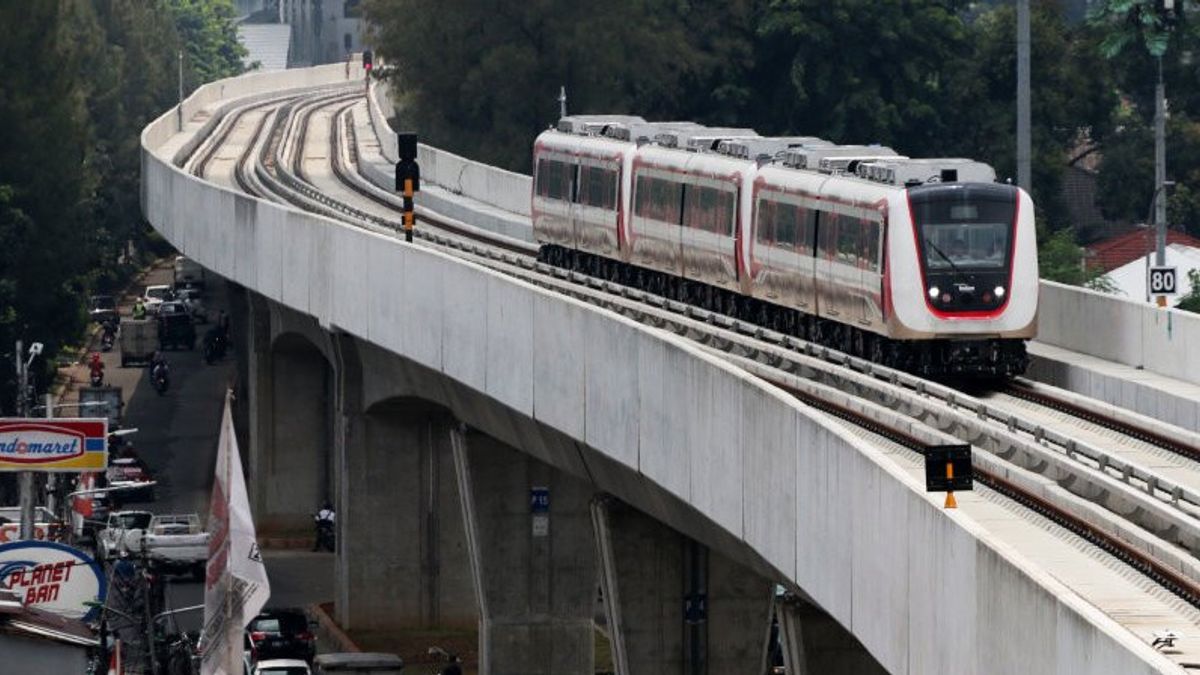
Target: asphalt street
177,438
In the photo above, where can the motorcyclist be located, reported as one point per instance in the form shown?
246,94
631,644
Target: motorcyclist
215,338
324,522
139,309
159,361
96,366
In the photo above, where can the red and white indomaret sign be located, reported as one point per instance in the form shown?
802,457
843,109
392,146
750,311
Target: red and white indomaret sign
236,586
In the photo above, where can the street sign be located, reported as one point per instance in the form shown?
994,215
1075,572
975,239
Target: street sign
79,444
695,608
1163,281
539,499
53,577
948,468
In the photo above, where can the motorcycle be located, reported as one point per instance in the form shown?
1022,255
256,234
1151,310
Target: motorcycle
108,337
214,347
160,378
325,535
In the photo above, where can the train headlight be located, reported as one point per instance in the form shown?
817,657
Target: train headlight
934,292
999,292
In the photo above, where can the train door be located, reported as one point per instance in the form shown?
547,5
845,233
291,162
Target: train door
827,286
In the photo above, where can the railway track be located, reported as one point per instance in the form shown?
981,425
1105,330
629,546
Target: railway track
1160,515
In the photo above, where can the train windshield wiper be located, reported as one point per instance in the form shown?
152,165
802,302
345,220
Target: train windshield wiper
957,272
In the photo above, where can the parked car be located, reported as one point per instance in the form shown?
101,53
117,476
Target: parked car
192,299
281,634
282,667
102,308
125,471
175,327
155,296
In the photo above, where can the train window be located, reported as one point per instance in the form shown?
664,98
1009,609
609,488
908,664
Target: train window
827,235
708,209
598,187
787,224
870,251
657,199
554,179
764,231
848,234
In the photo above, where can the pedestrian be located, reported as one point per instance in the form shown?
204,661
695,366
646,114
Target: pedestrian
139,309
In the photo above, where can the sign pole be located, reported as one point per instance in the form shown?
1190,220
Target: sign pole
25,479
51,480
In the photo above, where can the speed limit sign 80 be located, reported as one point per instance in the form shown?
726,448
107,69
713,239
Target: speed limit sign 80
1162,281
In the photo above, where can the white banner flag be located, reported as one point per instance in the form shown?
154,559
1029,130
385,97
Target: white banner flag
236,586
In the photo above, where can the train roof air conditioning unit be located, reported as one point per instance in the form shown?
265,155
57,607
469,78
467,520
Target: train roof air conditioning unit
849,164
909,172
810,158
699,137
647,130
752,148
591,125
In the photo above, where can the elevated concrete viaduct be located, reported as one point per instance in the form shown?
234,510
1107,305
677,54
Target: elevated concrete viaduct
443,393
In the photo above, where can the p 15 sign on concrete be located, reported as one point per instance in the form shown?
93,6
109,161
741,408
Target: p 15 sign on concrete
53,445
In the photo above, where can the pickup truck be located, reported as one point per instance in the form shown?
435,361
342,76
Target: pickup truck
170,543
122,532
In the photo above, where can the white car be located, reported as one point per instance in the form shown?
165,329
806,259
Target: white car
154,297
282,667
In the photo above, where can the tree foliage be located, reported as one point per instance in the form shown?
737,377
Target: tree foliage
81,79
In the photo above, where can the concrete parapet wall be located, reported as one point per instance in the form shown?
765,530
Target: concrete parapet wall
488,184
925,590
1117,329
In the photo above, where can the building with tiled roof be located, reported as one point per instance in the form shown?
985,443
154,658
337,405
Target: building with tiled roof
1118,251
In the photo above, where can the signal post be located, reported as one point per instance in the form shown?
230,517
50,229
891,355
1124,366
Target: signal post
408,178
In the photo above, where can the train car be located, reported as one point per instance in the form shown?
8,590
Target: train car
923,264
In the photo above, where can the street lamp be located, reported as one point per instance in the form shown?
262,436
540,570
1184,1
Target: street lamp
1161,247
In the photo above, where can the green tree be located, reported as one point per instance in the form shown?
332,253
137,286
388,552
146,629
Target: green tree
209,36
1061,259
859,72
1071,97
1191,301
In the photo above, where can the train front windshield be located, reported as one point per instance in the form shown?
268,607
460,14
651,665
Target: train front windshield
965,235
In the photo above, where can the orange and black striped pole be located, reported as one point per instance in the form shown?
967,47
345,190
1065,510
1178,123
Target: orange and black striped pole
408,178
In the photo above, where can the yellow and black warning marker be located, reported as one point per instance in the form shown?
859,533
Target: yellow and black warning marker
408,178
948,469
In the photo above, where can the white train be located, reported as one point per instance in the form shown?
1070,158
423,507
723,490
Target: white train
923,264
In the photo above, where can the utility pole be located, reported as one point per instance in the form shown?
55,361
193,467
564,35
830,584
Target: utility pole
1160,173
1024,173
25,478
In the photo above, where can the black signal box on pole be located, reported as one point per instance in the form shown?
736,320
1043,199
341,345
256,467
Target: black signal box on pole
368,59
408,178
948,468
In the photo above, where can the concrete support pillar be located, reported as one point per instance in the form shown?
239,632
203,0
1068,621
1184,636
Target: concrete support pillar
258,394
402,554
533,561
297,461
673,606
813,643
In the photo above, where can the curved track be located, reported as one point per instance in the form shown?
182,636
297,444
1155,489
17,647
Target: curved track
302,150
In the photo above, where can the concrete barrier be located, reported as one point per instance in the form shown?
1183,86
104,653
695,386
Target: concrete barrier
461,176
1121,330
924,590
